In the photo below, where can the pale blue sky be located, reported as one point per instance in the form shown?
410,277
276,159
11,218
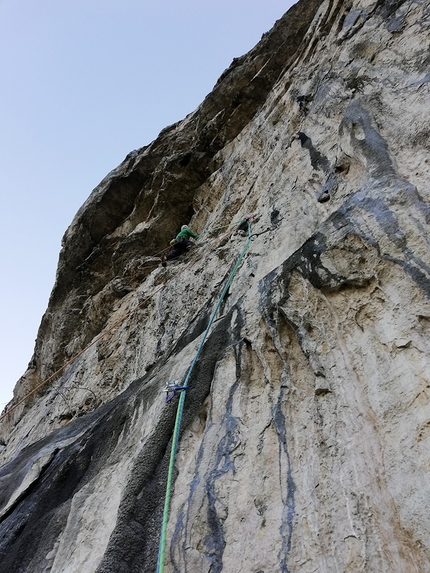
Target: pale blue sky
83,83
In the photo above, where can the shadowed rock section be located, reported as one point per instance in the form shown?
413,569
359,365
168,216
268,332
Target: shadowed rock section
305,443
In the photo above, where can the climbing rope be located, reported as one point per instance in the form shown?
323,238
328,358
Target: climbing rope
179,411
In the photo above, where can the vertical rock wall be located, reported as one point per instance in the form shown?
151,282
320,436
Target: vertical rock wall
305,442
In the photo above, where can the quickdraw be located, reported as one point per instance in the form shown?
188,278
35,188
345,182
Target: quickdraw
172,390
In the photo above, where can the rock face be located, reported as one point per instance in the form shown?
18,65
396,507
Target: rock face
305,442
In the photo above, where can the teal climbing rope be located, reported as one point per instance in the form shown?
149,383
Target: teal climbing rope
176,430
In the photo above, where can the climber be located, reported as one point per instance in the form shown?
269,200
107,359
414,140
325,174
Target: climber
180,244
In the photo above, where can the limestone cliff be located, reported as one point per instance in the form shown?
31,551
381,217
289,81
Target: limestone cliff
305,442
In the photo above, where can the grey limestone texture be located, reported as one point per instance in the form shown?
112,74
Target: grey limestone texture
305,440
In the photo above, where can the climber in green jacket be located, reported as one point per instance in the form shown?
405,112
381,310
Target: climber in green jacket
180,244
187,233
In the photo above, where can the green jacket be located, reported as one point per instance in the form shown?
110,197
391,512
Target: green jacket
187,233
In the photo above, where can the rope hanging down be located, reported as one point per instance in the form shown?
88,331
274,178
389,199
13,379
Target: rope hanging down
176,430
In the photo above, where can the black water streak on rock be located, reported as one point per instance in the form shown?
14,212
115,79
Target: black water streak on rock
379,208
31,526
215,544
266,287
274,217
347,220
281,277
180,537
367,142
307,261
388,7
320,163
318,160
416,269
383,190
183,525
133,545
286,529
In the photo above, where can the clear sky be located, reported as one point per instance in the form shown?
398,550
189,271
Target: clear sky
83,83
